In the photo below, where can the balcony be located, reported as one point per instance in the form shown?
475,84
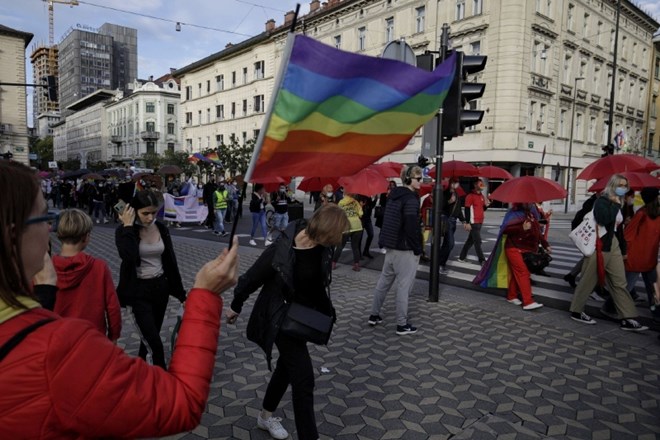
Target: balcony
150,135
115,139
6,128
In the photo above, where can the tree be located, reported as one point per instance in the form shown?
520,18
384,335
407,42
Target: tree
151,160
236,157
180,159
44,150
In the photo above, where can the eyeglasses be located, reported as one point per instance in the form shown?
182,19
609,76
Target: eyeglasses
419,179
51,218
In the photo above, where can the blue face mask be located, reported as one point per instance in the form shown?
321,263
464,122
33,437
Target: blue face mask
619,191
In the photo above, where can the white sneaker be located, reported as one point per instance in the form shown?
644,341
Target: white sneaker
383,251
273,426
532,306
253,243
514,301
268,242
98,221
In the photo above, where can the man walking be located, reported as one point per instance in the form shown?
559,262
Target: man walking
451,212
401,236
475,205
220,199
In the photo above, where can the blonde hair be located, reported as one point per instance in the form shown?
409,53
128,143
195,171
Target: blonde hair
74,225
612,184
327,225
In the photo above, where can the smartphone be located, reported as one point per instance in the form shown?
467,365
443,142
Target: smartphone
119,207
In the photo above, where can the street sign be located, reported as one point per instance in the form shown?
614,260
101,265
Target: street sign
19,149
530,144
52,164
32,156
399,50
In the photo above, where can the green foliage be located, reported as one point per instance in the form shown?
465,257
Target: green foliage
151,160
69,164
97,166
44,149
180,159
236,157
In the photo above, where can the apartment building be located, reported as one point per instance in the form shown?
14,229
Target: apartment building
146,120
653,127
44,63
538,52
13,99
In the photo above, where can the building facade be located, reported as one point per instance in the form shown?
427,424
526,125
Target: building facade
14,136
44,63
545,57
43,126
653,140
96,59
146,121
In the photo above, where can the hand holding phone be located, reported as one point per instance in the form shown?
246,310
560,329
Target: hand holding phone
119,207
127,217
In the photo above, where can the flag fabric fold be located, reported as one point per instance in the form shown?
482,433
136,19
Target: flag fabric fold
334,112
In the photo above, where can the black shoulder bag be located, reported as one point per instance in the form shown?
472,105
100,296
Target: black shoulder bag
18,337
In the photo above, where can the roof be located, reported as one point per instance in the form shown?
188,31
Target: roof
89,100
14,33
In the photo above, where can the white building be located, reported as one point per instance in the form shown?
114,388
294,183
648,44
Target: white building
45,121
146,121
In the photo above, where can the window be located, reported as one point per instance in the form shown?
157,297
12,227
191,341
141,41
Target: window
208,115
460,9
170,128
612,34
151,147
170,147
220,112
219,83
633,53
475,47
255,133
150,107
219,140
259,104
596,78
609,80
245,107
151,126
583,67
592,129
578,126
562,123
549,9
170,109
477,7
259,70
245,75
585,26
199,117
599,30
337,41
208,86
199,89
530,115
188,93
568,60
541,121
233,110
189,144
233,79
657,68
389,29
420,13
362,38
622,49
570,16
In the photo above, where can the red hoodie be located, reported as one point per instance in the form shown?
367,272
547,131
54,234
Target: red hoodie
86,291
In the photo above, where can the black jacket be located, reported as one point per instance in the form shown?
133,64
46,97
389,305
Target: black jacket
454,209
128,246
401,227
605,213
273,273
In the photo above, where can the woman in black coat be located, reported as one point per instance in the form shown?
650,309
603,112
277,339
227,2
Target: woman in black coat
149,272
296,268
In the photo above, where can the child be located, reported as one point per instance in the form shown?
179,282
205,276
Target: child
85,287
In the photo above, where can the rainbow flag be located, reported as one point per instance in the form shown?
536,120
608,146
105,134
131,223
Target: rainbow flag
336,112
495,272
213,157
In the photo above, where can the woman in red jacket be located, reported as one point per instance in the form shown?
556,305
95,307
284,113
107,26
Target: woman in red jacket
62,378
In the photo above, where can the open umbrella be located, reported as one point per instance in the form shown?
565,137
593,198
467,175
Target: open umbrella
309,184
637,181
427,188
75,173
528,189
388,169
169,169
92,176
493,172
271,184
367,182
608,165
456,168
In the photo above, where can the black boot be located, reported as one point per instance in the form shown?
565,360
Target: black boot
570,279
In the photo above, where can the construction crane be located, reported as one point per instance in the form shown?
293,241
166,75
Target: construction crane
51,31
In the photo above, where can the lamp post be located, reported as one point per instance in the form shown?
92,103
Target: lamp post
570,145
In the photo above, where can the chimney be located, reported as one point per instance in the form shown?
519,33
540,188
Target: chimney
324,5
270,25
288,17
314,5
228,45
332,3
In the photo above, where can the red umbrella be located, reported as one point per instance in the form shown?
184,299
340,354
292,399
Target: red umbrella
92,176
493,172
388,169
427,188
309,184
608,165
528,189
271,184
367,182
170,169
456,168
637,181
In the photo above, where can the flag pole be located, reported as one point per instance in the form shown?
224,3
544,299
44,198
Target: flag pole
279,79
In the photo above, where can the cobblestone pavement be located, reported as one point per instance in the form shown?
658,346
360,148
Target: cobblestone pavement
478,368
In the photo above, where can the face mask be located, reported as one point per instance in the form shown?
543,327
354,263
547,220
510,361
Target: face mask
620,191
329,194
454,185
199,186
282,190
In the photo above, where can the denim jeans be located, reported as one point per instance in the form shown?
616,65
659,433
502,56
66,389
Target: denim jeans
447,239
259,219
219,225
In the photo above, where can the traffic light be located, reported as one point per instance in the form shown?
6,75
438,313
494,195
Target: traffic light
52,88
608,150
422,161
455,118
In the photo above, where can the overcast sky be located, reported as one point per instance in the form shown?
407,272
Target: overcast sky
159,45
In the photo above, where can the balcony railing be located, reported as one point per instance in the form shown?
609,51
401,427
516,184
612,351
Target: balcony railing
115,139
150,135
6,128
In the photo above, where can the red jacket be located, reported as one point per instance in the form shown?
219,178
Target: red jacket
475,205
67,380
642,239
85,290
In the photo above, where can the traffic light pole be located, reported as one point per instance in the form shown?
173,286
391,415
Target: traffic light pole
434,285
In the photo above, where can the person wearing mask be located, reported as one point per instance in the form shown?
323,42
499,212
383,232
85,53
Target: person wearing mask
628,208
209,190
401,236
65,379
607,214
149,272
452,211
258,210
475,205
326,196
220,203
353,210
296,268
368,204
280,201
379,209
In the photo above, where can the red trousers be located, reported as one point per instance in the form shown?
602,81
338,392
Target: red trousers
519,276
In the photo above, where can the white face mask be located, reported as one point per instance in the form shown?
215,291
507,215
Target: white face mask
454,185
329,194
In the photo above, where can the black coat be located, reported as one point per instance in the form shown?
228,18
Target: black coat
128,246
274,271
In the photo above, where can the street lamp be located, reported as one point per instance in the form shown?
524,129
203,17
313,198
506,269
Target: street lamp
570,145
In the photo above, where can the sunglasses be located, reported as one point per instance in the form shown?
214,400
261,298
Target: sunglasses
52,218
419,179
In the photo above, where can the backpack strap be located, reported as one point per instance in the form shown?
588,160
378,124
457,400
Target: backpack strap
22,334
